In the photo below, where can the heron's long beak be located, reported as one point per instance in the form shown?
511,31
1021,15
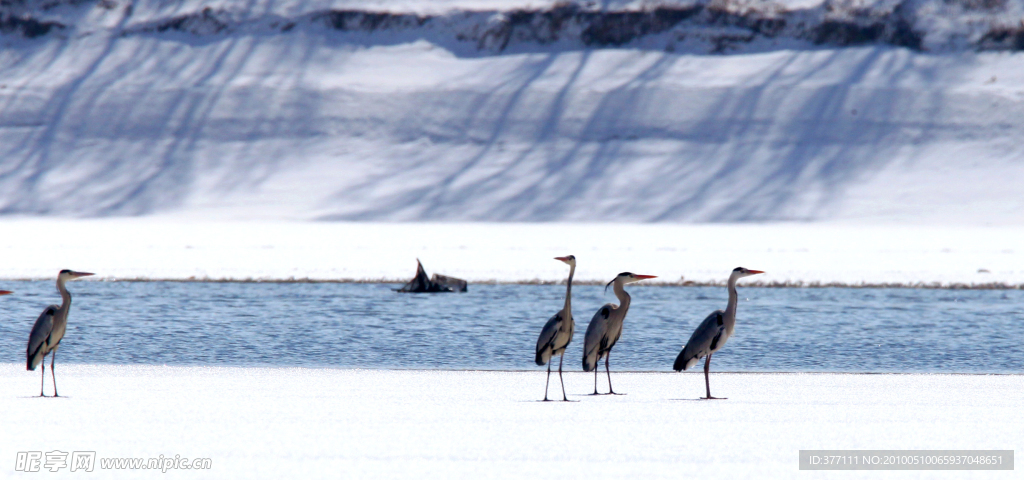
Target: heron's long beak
645,277
81,274
5,292
755,272
563,259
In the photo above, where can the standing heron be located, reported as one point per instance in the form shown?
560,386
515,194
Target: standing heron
49,330
557,333
712,333
606,327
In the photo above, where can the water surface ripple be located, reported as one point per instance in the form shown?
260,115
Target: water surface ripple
496,326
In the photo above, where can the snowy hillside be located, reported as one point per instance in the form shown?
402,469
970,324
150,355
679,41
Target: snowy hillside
515,110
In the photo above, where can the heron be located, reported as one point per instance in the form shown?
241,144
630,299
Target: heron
557,332
712,333
49,330
606,327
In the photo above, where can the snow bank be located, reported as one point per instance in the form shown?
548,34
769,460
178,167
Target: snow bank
269,111
792,254
276,423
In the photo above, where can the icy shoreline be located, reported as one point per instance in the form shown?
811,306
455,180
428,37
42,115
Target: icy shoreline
686,283
288,422
169,249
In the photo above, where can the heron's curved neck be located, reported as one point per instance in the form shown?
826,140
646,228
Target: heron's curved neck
620,293
568,290
65,295
730,309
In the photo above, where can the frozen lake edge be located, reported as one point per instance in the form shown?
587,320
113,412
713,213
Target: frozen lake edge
269,422
792,254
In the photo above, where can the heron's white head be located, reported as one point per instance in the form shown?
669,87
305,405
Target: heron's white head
569,260
5,292
626,278
740,272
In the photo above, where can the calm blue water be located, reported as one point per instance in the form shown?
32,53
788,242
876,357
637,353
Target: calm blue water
496,326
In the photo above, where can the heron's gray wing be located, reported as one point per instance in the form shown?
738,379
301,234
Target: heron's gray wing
596,333
37,338
702,341
546,340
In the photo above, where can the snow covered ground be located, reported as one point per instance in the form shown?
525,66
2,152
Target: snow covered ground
319,423
794,254
264,110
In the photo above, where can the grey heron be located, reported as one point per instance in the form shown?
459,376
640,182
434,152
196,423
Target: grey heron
711,334
49,330
557,332
606,327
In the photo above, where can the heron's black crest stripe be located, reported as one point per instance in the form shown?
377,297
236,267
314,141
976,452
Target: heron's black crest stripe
714,341
738,269
65,271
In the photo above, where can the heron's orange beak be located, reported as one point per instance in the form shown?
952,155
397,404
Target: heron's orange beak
645,277
564,259
81,274
5,292
755,272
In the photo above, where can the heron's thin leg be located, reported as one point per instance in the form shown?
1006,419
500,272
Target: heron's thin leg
54,372
707,384
609,372
595,380
546,384
42,379
707,367
565,398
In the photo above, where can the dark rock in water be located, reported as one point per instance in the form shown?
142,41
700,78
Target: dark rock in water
454,284
438,283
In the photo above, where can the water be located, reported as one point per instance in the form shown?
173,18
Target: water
496,326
